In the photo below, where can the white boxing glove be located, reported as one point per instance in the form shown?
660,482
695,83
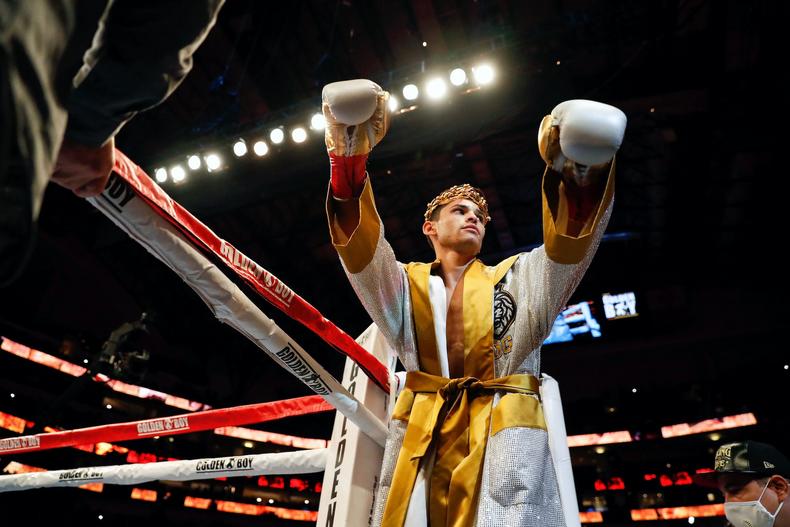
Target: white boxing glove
357,116
580,135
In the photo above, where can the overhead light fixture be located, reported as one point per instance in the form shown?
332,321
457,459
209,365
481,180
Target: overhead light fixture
318,121
484,74
161,175
277,136
240,148
436,88
178,173
213,162
410,92
260,148
457,77
299,134
193,162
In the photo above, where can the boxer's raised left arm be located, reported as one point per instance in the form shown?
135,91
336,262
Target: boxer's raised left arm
578,141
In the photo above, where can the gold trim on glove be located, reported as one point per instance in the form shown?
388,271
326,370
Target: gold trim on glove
344,140
560,246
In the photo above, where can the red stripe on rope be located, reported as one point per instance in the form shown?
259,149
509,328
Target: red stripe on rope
265,283
165,426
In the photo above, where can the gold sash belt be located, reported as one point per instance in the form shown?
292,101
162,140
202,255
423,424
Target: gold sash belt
453,416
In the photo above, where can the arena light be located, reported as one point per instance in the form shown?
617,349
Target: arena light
621,436
178,173
213,162
483,74
436,88
260,148
678,513
299,135
257,510
457,77
45,359
590,517
197,503
277,136
193,162
160,174
13,423
318,121
709,425
393,103
262,436
143,494
411,92
240,148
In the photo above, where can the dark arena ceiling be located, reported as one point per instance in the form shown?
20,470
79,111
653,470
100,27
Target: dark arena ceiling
693,235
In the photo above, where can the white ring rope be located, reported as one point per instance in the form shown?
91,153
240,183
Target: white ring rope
300,462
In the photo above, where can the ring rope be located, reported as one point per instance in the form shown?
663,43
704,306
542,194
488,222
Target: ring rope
265,283
166,426
226,300
300,462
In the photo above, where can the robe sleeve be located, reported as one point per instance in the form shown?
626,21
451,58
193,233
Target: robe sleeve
554,270
378,279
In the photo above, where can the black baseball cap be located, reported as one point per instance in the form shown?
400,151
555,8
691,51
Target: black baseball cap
750,458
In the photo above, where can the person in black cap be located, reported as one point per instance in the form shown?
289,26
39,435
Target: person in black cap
754,478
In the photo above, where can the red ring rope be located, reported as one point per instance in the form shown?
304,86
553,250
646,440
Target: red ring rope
165,426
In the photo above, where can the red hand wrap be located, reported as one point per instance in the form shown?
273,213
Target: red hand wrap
582,201
347,175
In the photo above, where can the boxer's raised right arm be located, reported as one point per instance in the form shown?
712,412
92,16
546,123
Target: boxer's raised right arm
357,118
354,224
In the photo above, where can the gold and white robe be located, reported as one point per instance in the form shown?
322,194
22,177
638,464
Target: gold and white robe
492,416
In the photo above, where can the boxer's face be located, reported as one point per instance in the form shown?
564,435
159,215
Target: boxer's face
459,226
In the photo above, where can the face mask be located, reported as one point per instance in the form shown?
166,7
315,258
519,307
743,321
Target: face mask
750,513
